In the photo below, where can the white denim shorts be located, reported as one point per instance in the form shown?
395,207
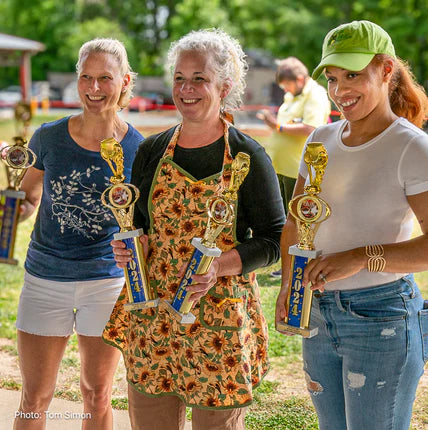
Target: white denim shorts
51,308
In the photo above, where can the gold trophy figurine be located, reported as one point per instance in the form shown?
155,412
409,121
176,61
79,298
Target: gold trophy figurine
220,210
17,158
23,117
309,210
121,198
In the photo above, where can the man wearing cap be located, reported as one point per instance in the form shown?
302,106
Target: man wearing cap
306,106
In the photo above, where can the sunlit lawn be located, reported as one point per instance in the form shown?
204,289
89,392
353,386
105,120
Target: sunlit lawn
272,408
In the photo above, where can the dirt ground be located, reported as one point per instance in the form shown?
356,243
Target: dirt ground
290,377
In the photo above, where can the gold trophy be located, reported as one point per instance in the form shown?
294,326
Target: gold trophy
120,198
17,159
220,211
309,210
23,117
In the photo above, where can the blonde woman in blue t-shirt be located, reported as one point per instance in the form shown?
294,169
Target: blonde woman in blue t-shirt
71,282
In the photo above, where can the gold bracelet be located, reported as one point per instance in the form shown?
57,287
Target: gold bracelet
376,261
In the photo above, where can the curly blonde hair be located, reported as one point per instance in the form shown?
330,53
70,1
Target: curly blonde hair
228,59
117,49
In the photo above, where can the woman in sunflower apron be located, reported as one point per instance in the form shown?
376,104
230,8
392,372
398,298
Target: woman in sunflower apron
213,364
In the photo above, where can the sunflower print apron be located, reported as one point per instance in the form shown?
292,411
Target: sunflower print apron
218,360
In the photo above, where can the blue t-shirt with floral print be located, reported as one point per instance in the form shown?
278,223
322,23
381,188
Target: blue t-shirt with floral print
73,229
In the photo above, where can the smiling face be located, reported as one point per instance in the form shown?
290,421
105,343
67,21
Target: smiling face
100,83
360,95
196,91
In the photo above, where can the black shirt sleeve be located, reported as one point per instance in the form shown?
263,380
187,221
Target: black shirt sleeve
260,212
260,209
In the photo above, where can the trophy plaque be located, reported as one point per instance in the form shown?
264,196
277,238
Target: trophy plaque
120,198
220,210
309,210
17,158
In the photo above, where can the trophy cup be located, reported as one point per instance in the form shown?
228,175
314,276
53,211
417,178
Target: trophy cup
17,159
309,211
120,198
220,211
23,117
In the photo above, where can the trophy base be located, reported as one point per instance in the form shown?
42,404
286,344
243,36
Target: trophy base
8,261
308,253
128,234
138,306
209,252
188,318
309,332
13,194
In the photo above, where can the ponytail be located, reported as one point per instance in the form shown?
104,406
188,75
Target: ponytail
407,98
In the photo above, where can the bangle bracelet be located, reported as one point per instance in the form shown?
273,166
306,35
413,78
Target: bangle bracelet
279,127
376,261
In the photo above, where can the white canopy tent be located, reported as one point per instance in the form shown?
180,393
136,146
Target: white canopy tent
17,51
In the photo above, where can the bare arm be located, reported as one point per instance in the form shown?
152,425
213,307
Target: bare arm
403,257
296,129
32,185
292,129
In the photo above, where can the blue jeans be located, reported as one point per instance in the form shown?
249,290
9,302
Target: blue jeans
363,367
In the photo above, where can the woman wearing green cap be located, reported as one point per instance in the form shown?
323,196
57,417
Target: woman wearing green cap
364,365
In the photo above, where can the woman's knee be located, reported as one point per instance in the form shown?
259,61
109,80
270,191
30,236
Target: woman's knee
36,399
97,397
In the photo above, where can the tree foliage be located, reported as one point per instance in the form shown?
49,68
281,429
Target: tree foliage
87,30
282,27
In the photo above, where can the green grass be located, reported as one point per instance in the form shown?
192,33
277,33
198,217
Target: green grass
10,384
279,345
120,403
289,414
271,408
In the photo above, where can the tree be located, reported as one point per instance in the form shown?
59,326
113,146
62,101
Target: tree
46,21
282,27
88,30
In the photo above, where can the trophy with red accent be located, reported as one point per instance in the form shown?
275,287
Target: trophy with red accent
220,211
309,210
120,198
17,158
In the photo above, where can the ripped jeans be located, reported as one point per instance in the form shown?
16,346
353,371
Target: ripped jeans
363,367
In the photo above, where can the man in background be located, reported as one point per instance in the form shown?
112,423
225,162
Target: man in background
306,106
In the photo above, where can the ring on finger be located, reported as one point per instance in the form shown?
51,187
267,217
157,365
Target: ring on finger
323,277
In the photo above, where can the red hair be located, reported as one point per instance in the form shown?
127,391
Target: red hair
406,96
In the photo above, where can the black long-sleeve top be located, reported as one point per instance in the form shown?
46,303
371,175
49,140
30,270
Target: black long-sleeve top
260,214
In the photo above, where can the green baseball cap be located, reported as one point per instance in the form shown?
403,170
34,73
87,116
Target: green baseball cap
353,45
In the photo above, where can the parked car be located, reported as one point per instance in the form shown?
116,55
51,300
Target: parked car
10,95
70,96
141,104
151,101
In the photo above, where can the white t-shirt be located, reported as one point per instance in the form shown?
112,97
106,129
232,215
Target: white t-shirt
366,187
